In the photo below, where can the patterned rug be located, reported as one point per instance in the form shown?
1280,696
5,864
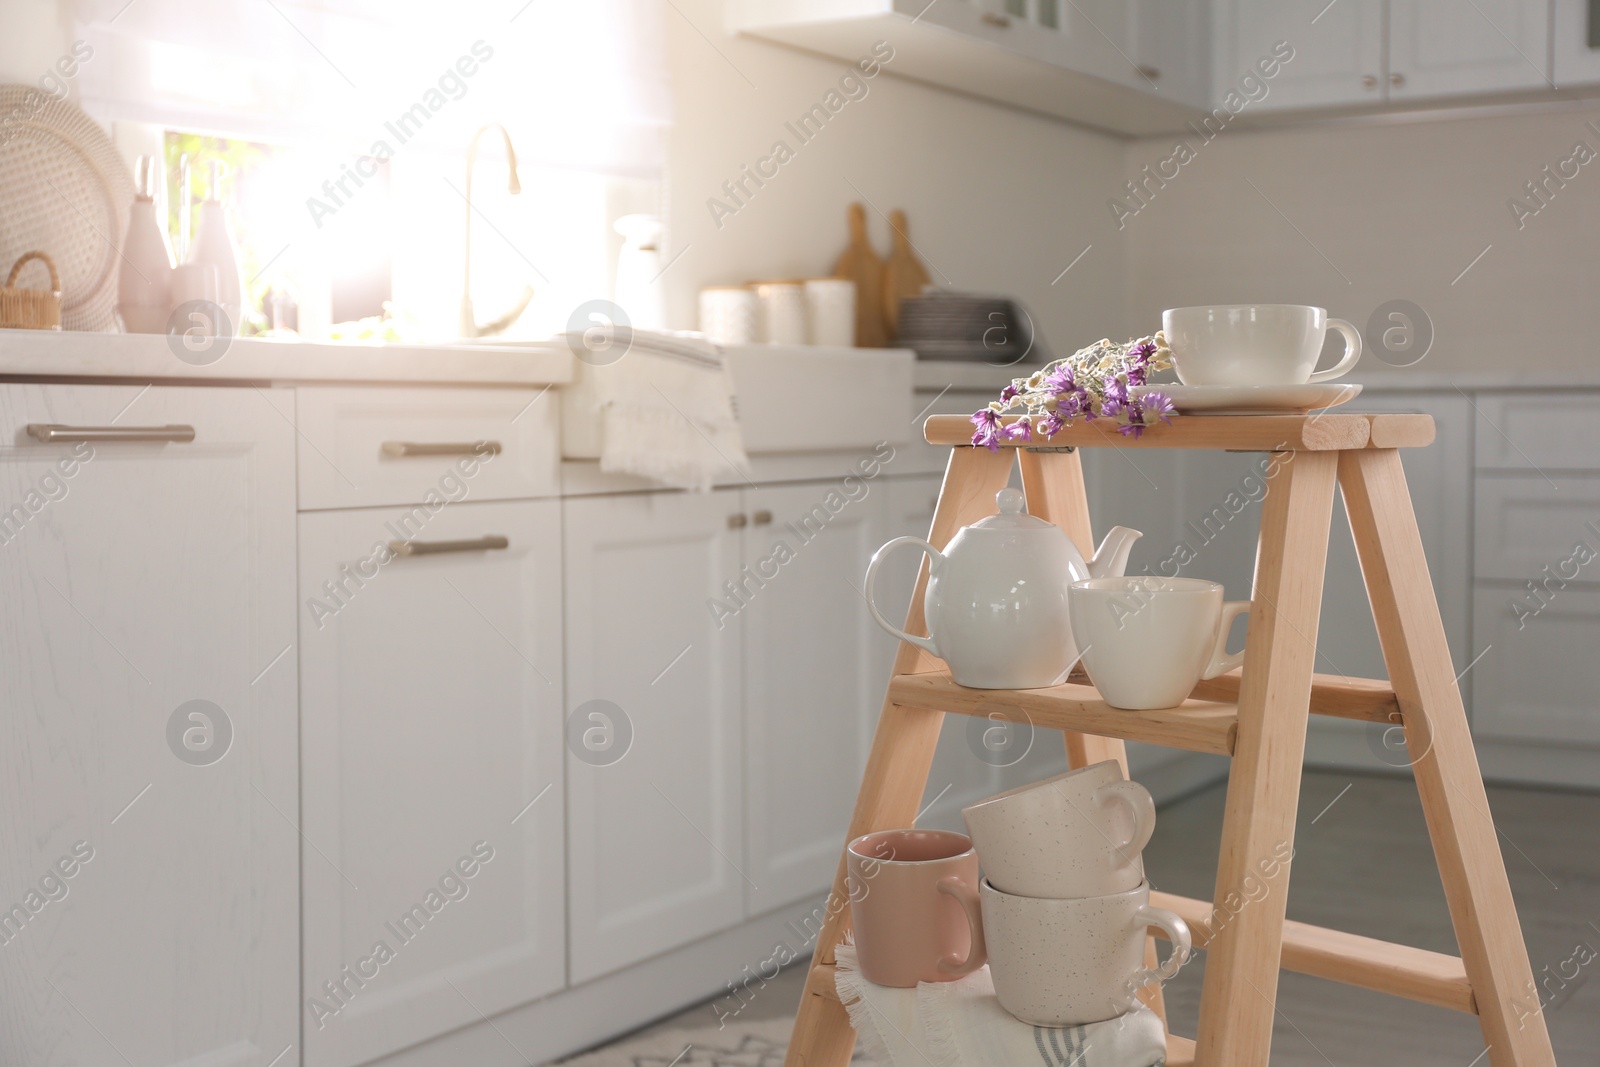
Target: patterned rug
754,1044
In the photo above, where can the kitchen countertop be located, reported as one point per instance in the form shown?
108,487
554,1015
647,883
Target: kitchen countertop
39,354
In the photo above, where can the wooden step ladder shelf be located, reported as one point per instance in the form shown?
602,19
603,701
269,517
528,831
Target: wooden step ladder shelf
1258,716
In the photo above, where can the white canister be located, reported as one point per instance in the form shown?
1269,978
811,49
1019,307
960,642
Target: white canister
729,315
831,311
783,312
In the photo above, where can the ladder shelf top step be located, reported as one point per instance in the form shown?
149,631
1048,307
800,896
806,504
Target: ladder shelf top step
1207,722
1324,432
1197,725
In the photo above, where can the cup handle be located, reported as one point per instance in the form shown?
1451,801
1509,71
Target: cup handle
1182,945
1352,352
1139,802
978,955
935,557
1223,661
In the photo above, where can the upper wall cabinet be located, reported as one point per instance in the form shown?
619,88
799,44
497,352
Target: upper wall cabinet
1575,40
1329,56
1131,66
1443,47
1143,67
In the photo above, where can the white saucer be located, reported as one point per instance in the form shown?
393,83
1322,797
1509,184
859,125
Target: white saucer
1253,399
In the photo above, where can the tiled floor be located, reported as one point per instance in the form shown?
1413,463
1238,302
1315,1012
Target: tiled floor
1363,864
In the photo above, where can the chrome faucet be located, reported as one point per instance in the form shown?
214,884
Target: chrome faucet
470,327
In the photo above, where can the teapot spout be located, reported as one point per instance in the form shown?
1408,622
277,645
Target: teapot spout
1111,558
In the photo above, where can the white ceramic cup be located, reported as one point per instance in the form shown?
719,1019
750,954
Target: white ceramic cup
783,312
1255,344
1148,640
1076,961
831,311
1079,834
730,315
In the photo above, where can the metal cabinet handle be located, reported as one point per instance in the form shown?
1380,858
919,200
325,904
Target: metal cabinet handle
1147,71
444,448
433,548
1369,81
994,18
1397,80
762,517
49,432
737,522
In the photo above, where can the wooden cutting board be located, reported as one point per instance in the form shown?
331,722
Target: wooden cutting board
903,274
860,264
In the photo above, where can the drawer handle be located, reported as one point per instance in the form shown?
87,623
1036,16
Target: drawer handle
48,432
445,448
763,517
433,548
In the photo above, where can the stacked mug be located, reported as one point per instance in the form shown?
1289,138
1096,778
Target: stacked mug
1064,900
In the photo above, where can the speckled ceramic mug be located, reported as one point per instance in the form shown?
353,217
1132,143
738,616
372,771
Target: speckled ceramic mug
1079,834
1074,962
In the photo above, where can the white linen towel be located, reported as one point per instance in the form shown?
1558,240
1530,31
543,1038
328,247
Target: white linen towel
666,410
961,1024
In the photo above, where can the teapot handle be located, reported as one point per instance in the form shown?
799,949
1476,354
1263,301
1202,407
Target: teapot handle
935,557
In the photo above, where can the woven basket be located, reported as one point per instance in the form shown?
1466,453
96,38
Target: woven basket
31,309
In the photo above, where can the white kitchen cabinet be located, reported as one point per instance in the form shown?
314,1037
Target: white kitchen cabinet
1338,51
1575,44
813,679
1074,59
1529,529
1444,47
1539,678
654,777
140,577
1537,432
431,703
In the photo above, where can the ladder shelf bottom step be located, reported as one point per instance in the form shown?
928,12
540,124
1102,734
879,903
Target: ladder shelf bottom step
1383,966
820,982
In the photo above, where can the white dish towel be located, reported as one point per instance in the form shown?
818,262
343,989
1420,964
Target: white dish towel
666,410
961,1024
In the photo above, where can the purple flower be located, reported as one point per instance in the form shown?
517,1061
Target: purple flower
1008,394
1050,425
1138,368
1158,404
1143,352
1018,431
1062,380
988,433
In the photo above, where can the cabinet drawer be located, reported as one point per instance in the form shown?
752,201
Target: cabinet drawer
1539,431
375,446
1525,525
1540,680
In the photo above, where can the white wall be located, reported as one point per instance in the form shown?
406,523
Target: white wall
998,201
1401,209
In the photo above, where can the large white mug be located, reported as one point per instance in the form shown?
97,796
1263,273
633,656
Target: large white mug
1076,961
1079,834
1255,344
1148,640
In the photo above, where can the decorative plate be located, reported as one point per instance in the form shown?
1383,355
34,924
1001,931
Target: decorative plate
64,190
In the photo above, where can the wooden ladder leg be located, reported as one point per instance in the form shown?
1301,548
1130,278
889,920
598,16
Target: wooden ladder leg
1053,485
1240,993
902,753
1444,761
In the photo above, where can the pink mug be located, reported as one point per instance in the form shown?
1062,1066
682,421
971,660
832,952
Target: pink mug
914,904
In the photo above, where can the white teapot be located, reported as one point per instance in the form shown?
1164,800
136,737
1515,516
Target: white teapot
996,604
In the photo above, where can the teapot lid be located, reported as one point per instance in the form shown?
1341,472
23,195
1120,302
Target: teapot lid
1012,516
